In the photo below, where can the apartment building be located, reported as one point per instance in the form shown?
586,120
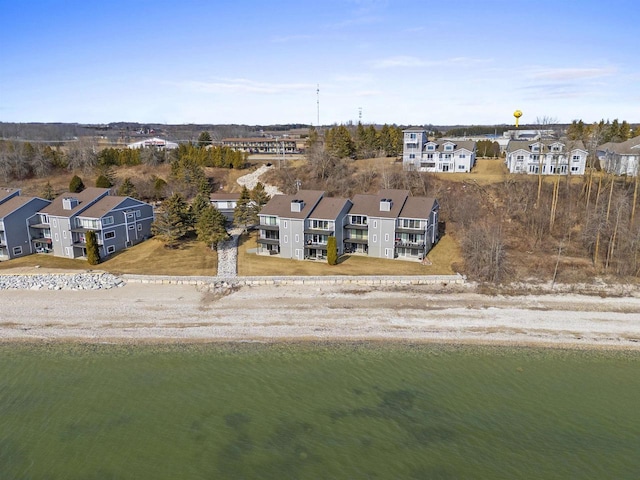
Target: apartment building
621,158
391,224
546,157
15,235
424,155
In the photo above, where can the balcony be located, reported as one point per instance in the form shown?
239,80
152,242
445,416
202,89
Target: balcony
269,227
359,240
357,226
268,241
317,231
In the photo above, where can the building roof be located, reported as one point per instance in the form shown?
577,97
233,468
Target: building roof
103,206
85,198
629,147
258,140
224,196
6,192
14,203
369,205
328,208
280,205
417,207
458,145
414,129
153,142
514,145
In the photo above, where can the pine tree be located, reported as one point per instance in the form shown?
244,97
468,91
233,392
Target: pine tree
172,222
332,251
103,182
242,214
259,196
127,189
93,251
210,227
199,204
47,192
76,185
204,139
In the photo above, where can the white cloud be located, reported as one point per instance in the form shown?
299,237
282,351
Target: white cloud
415,62
565,74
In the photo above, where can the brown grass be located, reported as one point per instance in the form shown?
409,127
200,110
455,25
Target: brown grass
443,255
148,258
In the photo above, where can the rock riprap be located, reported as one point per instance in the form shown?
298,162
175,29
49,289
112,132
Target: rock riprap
49,281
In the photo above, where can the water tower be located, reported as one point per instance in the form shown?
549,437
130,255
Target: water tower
517,114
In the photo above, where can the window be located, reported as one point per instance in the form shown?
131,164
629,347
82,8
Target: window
534,157
44,218
576,158
17,250
358,220
55,222
430,156
285,224
412,155
269,220
408,223
575,169
374,238
431,147
386,237
139,227
448,147
129,214
462,155
56,236
375,224
107,221
131,227
461,167
286,239
108,235
138,214
64,234
111,249
520,157
412,136
297,238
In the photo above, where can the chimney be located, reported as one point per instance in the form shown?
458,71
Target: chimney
297,205
69,203
385,205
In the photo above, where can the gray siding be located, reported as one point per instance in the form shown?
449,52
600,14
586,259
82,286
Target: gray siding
16,229
382,237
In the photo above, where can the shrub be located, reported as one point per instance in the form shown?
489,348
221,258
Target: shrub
76,185
93,252
332,251
103,182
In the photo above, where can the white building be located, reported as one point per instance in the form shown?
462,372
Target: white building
548,157
154,142
424,155
620,158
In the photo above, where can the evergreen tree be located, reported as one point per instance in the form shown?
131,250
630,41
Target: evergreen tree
76,185
242,214
259,196
159,188
127,189
103,182
204,139
332,251
200,203
93,250
47,192
210,226
338,142
172,222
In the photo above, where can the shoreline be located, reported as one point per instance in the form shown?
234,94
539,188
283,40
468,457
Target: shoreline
160,313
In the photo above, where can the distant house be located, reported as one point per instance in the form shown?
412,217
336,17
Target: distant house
119,222
621,158
548,157
423,155
391,224
15,212
154,142
225,203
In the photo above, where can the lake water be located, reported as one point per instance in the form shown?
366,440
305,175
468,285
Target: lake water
347,411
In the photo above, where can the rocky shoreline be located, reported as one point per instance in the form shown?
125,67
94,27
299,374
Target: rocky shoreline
58,281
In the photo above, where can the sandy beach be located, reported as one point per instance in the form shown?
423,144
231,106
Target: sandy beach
151,312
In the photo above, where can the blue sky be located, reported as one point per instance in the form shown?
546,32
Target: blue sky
256,62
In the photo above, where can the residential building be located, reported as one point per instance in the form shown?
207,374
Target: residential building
15,212
424,155
119,222
154,142
391,224
548,157
263,145
283,222
326,220
621,158
225,203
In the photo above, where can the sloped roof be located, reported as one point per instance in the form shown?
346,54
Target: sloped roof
514,145
328,208
629,147
84,198
369,205
417,207
458,145
280,205
6,192
13,204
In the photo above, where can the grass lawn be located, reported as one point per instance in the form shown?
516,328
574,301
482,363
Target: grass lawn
443,255
148,258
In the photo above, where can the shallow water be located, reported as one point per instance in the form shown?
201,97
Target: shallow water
317,411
